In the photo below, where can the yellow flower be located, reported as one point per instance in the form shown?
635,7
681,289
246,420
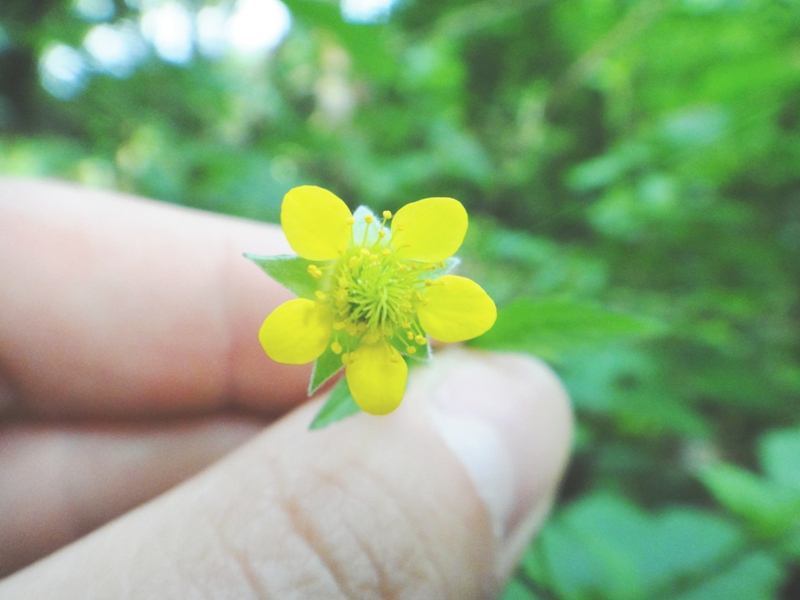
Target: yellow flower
378,291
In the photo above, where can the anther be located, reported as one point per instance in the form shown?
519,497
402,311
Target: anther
387,214
386,252
428,283
321,296
421,340
411,350
336,347
364,251
350,220
368,219
410,335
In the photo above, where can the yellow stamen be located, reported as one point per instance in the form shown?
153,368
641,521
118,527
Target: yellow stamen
411,350
421,340
336,347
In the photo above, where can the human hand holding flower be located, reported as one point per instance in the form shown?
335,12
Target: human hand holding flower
129,368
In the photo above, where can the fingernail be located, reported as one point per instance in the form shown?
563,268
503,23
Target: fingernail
506,417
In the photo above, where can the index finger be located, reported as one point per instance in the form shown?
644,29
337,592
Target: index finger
113,305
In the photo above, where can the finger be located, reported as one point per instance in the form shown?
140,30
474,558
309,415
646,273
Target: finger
57,483
433,501
119,306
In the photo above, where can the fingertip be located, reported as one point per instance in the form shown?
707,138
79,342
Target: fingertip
508,420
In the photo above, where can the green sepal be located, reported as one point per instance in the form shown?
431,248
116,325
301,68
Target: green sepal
340,405
423,353
291,272
325,367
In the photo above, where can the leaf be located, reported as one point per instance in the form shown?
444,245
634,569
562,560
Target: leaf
757,575
325,367
603,546
550,326
340,405
290,271
769,508
516,590
780,456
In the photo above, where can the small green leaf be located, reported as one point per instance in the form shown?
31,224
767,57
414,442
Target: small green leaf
780,456
340,405
757,575
325,367
516,590
550,326
290,271
768,507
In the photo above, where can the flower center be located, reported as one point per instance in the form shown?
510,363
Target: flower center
373,294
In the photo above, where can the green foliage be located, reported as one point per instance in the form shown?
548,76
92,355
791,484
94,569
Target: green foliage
605,547
547,327
340,404
769,504
290,271
630,169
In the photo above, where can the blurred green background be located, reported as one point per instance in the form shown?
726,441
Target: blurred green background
632,170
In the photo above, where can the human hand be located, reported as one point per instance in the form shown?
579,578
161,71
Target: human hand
129,362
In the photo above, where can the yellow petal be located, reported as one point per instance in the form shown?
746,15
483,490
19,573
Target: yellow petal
296,332
429,230
455,308
377,377
316,222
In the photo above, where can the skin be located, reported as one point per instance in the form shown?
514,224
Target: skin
137,406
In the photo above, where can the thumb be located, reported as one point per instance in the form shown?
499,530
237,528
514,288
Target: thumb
437,500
